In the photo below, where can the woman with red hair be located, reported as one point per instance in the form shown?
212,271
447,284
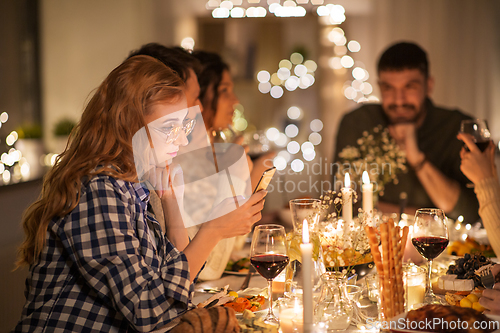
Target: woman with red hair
99,260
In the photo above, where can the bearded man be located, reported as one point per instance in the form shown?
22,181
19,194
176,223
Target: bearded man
426,133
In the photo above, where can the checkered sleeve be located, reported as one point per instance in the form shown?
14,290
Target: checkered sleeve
108,239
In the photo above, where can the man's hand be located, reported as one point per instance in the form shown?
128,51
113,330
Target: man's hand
491,297
405,135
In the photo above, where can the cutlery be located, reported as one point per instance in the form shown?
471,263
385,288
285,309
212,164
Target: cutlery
487,278
246,282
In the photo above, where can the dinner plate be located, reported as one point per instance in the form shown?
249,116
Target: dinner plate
238,273
398,328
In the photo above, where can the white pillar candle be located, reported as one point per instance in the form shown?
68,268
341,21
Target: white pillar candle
291,319
367,189
347,199
307,296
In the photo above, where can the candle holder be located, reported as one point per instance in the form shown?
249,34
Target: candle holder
291,314
414,278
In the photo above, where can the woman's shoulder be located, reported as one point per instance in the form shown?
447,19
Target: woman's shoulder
106,185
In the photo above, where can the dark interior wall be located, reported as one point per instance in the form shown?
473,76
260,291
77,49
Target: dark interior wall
14,199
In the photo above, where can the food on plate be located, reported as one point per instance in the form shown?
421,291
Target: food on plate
452,315
252,303
451,282
469,245
241,265
219,298
249,323
217,319
465,301
464,274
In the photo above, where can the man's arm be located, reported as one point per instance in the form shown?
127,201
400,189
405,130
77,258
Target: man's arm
442,190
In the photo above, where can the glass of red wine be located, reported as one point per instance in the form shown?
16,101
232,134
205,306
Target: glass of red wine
430,237
269,256
478,130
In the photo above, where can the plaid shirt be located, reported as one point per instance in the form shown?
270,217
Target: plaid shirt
102,270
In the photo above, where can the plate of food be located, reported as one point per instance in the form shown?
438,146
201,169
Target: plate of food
245,300
442,318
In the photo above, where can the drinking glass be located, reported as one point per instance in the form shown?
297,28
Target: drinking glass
258,144
430,237
269,256
221,135
478,130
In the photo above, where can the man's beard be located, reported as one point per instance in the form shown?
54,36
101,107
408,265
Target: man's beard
418,114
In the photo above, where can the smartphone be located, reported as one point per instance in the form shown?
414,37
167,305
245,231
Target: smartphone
265,179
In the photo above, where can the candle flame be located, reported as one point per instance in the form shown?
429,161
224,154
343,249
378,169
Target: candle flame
366,178
347,180
305,232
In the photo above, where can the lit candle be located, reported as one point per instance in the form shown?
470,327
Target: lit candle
307,296
291,318
367,193
347,199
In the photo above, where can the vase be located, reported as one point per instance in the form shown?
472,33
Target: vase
334,307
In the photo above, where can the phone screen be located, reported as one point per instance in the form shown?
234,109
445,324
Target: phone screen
265,179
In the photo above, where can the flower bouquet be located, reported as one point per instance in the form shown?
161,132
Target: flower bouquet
378,154
344,244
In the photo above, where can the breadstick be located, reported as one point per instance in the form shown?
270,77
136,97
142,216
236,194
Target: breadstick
374,247
374,243
384,238
398,270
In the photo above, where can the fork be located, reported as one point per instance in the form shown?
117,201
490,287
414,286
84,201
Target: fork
487,278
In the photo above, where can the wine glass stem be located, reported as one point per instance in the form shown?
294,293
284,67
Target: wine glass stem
270,292
429,274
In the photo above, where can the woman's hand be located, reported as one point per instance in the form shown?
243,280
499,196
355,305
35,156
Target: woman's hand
170,188
477,165
238,221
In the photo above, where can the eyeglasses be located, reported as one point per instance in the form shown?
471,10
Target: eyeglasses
173,132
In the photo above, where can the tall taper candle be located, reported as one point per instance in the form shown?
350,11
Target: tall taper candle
367,194
347,199
307,276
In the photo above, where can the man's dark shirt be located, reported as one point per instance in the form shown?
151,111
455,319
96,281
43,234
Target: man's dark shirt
436,139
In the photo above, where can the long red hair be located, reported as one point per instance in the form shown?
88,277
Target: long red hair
102,138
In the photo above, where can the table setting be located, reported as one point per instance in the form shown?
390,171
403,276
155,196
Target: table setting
347,269
338,272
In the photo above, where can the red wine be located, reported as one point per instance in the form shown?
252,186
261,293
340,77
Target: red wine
269,265
430,247
482,145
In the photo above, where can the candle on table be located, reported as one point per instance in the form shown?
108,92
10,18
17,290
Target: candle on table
367,193
307,296
291,317
414,280
347,199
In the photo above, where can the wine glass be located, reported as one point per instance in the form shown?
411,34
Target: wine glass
269,256
221,135
430,237
258,144
478,130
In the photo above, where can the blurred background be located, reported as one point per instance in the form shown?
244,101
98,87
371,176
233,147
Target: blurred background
295,78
